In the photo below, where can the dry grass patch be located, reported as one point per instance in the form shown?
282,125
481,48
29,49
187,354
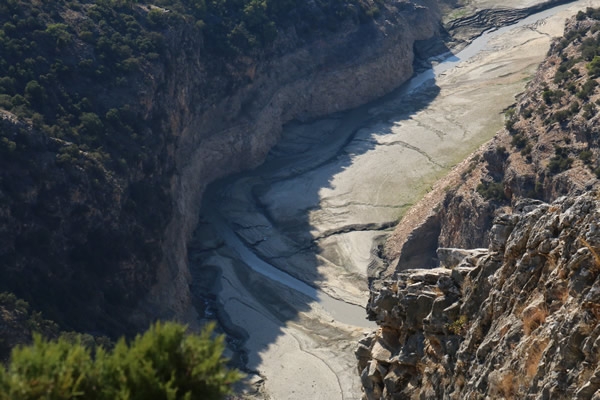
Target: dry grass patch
594,254
534,317
503,384
433,347
508,385
504,330
534,355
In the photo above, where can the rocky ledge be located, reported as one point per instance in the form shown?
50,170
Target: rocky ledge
519,319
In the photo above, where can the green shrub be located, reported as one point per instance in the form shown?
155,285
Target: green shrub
519,141
560,162
7,145
593,67
586,156
574,107
60,34
163,363
510,119
491,190
458,327
527,150
91,124
587,89
34,92
5,101
560,116
552,96
589,110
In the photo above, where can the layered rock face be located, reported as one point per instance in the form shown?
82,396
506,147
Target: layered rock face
519,319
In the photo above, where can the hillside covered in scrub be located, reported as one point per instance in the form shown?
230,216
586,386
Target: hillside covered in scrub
115,115
87,150
510,306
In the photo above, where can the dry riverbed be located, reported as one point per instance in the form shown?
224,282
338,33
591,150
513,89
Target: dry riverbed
325,198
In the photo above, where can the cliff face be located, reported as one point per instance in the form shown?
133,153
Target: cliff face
119,116
516,315
235,131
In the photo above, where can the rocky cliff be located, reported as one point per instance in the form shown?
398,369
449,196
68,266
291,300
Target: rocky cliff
519,319
115,117
515,315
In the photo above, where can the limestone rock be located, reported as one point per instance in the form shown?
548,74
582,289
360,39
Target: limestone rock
522,324
451,257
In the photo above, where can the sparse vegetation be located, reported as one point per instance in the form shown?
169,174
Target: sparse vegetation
560,162
459,326
589,110
552,96
586,156
492,191
587,89
534,356
526,151
533,317
510,119
519,141
502,152
593,67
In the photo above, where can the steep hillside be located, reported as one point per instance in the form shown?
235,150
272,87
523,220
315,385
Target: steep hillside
115,115
549,149
516,315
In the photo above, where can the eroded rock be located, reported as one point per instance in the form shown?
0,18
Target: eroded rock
522,323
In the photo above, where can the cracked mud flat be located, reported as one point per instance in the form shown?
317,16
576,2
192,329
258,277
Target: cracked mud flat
327,195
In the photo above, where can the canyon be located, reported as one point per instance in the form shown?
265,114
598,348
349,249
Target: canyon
365,182
319,209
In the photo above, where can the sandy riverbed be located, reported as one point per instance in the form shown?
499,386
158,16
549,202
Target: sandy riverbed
319,205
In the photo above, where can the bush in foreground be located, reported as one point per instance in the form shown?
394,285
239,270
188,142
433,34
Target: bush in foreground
163,363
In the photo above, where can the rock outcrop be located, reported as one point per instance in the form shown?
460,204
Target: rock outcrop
520,319
547,150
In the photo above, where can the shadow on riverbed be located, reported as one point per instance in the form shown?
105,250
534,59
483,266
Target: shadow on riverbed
254,260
